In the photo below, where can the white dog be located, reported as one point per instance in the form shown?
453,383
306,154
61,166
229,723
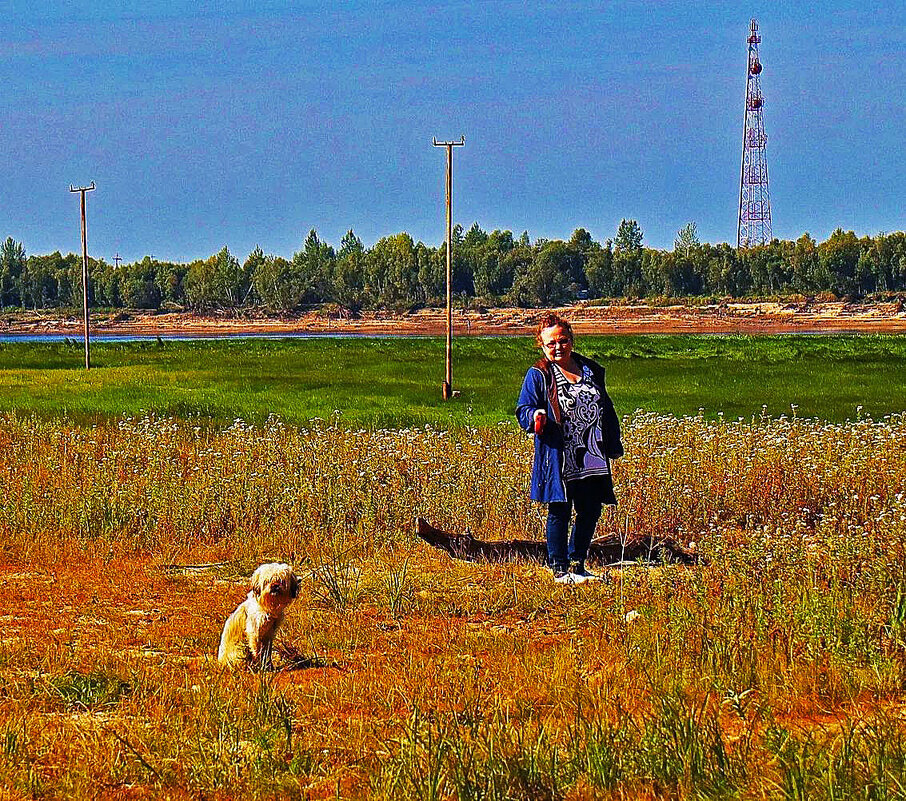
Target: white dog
248,634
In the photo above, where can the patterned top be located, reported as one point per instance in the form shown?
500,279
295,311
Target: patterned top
580,406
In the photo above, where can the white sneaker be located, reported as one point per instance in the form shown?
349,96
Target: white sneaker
579,570
568,578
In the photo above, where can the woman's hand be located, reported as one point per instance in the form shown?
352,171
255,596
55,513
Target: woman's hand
540,420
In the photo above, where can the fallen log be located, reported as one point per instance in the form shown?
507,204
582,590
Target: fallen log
607,553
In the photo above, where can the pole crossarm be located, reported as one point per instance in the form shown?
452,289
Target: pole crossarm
90,188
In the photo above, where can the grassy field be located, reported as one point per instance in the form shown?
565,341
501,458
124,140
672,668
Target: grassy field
396,382
776,670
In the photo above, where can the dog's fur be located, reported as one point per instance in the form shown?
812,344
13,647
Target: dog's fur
248,634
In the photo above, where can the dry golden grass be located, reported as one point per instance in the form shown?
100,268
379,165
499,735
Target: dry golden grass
778,670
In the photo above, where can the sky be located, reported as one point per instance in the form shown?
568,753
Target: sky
206,124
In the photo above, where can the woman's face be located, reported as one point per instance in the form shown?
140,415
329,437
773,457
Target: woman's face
557,344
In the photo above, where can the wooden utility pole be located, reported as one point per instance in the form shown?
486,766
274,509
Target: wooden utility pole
117,259
448,375
82,190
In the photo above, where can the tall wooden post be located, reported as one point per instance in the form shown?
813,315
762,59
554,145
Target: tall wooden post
448,373
82,190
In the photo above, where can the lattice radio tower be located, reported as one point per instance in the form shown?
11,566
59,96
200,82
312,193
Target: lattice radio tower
754,226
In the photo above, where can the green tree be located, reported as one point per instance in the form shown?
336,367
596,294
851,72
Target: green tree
251,264
432,274
581,241
629,237
314,266
68,277
493,271
900,274
727,273
139,285
869,276
231,283
12,263
628,277
215,283
171,280
599,272
839,256
38,282
657,272
627,259
475,237
347,284
392,275
277,285
686,239
106,280
678,274
770,271
891,249
806,270
541,283
566,258
462,279
470,259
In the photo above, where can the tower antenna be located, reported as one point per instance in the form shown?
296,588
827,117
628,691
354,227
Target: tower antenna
754,221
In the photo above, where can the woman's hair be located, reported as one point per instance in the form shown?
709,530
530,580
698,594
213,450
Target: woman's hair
552,320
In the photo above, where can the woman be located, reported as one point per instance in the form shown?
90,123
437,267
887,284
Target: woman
564,402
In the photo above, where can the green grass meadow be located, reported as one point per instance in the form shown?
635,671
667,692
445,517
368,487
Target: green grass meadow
396,381
776,668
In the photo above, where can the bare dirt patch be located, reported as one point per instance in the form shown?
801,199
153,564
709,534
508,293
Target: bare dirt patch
722,318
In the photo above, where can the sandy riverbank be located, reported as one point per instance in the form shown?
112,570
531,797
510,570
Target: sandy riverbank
725,318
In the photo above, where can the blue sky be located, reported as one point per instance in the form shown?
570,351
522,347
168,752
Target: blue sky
208,124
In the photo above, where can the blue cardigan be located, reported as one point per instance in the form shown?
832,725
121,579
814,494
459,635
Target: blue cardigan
539,391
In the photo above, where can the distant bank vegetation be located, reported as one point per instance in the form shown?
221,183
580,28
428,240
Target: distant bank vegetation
493,268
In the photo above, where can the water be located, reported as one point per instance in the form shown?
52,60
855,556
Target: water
77,339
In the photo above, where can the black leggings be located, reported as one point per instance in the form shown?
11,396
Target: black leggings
587,495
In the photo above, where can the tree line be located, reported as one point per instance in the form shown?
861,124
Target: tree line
493,268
